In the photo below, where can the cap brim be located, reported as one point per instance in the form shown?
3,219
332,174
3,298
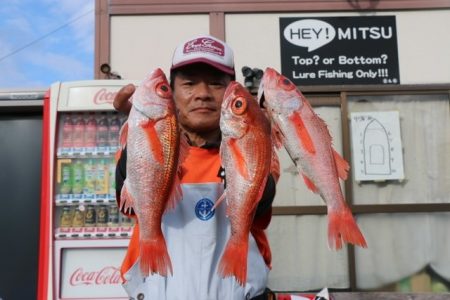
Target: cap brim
214,64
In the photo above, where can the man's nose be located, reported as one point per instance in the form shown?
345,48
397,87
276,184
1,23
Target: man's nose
203,91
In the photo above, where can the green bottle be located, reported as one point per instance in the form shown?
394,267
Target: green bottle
78,177
66,180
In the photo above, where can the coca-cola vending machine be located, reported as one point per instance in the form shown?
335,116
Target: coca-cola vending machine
83,237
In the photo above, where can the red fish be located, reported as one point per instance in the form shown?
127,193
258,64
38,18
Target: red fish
152,138
307,140
246,154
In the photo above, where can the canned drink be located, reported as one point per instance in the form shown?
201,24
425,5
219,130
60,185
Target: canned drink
78,217
66,217
89,217
102,216
113,216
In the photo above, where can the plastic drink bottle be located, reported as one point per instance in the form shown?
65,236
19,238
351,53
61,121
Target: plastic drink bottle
78,177
67,131
101,178
102,131
90,132
66,179
78,132
89,177
113,131
112,177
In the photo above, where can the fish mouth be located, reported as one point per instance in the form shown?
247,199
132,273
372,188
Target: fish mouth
260,96
157,73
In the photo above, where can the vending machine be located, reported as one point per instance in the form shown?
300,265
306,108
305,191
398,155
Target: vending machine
83,237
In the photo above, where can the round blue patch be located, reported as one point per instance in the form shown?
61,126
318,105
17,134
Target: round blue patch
203,209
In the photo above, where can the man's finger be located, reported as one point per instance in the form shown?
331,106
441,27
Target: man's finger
121,102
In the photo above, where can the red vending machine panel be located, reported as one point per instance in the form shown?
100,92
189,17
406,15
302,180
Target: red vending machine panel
83,236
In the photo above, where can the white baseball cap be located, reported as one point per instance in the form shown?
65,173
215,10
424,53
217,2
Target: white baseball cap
204,49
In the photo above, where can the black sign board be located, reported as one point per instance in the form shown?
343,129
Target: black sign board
339,50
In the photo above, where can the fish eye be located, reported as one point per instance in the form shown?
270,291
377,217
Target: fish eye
239,105
287,84
163,90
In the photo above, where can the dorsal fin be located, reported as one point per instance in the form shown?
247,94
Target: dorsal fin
126,199
184,150
277,136
275,166
342,165
123,135
176,194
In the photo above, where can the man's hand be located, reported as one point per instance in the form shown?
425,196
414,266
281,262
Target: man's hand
121,100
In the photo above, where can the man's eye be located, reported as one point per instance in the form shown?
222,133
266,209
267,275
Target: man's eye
217,83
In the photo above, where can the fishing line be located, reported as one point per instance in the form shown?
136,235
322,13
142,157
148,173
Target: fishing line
45,35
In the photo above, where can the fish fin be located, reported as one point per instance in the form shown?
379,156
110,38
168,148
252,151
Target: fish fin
234,260
117,155
155,143
218,201
176,195
123,135
239,158
184,150
302,132
154,257
122,141
310,184
342,227
275,166
126,200
277,136
342,165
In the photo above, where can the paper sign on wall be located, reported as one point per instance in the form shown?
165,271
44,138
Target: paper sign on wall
377,146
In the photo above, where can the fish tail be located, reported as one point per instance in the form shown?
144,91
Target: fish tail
154,257
342,227
234,260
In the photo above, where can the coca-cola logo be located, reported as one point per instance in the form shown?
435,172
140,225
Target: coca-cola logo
104,96
204,45
107,275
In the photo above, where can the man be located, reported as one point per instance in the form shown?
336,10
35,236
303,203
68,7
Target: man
202,67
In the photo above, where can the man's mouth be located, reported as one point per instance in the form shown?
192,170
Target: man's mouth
203,109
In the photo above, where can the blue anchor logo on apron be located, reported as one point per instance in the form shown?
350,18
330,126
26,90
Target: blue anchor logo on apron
203,209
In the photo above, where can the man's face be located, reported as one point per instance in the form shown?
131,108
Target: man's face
198,91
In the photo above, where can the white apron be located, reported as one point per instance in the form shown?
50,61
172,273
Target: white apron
195,241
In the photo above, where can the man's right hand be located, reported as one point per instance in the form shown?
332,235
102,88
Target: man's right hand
121,100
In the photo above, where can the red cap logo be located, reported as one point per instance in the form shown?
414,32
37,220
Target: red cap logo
204,45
